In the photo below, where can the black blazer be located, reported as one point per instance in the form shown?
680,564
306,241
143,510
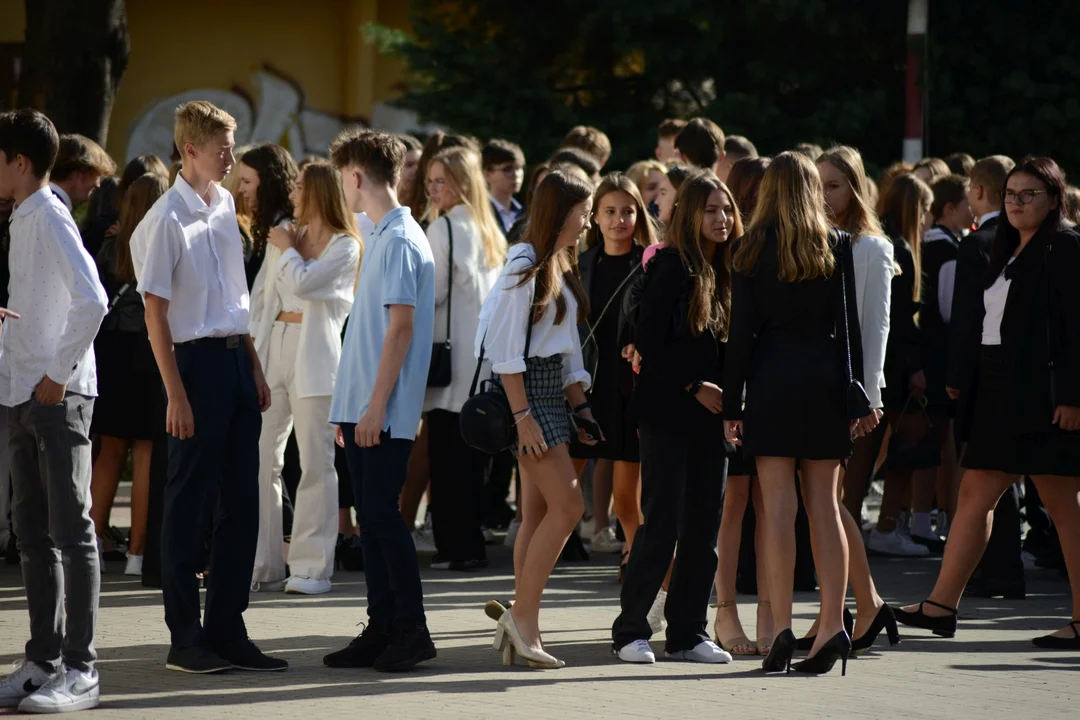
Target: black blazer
514,205
1041,323
965,326
672,357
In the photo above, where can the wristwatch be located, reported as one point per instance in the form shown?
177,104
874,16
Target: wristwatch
695,386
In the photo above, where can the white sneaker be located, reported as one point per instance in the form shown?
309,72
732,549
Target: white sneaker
300,585
1025,557
895,544
637,652
656,613
704,652
134,565
605,542
68,691
271,586
511,534
489,537
28,678
424,542
586,528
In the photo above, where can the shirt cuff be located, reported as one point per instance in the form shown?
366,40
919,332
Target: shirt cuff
162,291
579,376
510,367
387,302
60,375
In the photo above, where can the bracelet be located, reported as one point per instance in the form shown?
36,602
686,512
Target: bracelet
695,386
528,412
582,406
522,411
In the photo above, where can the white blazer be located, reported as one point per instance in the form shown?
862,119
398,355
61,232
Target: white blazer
874,270
472,281
326,287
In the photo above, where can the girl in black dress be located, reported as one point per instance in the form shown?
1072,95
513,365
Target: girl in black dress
1027,402
125,413
789,346
681,327
620,232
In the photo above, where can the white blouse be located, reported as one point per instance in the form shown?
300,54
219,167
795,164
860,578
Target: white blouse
503,319
994,299
874,270
471,280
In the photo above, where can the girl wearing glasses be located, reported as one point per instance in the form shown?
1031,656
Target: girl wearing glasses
1027,402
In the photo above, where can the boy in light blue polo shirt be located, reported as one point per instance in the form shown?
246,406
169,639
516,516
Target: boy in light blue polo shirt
382,378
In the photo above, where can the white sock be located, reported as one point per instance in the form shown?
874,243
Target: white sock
920,524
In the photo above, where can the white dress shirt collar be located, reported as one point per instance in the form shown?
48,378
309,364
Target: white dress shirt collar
62,194
988,216
33,202
193,200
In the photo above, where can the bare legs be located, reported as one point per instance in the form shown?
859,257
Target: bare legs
779,507
552,505
106,479
820,486
738,491
626,495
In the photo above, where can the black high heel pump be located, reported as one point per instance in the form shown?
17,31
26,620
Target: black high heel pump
807,643
779,659
884,620
838,648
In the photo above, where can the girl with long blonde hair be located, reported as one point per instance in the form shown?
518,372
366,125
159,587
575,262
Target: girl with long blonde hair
310,279
469,250
787,337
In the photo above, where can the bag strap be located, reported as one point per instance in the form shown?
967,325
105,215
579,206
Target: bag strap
592,328
843,296
116,298
480,359
449,278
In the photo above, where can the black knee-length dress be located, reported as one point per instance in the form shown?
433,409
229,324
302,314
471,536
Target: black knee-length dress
787,346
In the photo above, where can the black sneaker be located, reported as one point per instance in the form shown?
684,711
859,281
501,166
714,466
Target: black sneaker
244,655
361,652
438,562
410,644
198,660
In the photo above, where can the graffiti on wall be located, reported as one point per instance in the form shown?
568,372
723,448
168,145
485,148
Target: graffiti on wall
277,114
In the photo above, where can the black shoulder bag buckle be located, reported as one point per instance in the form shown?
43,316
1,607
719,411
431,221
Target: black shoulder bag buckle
440,372
858,404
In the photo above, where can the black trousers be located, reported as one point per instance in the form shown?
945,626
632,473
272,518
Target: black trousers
214,474
457,489
682,484
159,476
1002,561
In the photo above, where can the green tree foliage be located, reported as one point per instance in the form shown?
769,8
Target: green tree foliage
778,71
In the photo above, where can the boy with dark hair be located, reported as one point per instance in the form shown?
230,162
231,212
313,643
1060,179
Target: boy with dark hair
960,163
810,150
591,140
80,165
578,158
413,151
504,171
736,148
382,379
701,144
47,386
665,140
197,303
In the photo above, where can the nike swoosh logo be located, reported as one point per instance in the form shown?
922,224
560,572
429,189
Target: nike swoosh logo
30,687
81,688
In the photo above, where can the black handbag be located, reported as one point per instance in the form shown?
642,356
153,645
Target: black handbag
908,451
439,371
486,421
858,403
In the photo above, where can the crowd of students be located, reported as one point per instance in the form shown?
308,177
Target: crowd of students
713,335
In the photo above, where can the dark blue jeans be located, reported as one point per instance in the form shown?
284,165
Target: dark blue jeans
390,565
213,475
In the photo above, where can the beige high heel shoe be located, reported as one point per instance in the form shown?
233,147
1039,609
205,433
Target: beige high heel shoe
508,641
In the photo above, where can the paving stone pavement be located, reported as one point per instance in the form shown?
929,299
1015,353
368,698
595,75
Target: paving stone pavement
990,670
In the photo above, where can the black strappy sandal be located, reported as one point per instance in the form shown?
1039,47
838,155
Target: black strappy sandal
945,625
1059,643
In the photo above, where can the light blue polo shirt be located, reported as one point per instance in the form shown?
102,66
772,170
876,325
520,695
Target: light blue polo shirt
397,269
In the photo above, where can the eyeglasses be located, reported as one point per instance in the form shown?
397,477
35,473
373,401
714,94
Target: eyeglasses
1024,197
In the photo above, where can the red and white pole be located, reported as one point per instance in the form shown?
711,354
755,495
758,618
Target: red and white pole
915,83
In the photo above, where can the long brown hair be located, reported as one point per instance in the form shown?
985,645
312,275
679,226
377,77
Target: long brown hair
323,197
277,176
644,232
141,195
744,181
902,208
710,296
861,218
555,268
791,203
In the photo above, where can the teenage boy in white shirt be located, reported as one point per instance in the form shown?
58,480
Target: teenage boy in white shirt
504,172
189,263
47,387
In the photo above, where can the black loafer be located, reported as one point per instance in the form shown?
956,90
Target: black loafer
198,660
244,655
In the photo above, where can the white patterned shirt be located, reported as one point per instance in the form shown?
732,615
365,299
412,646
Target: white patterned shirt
55,288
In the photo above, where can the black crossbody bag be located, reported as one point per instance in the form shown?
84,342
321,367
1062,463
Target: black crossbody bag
858,404
440,372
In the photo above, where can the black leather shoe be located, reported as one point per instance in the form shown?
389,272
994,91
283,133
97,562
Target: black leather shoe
198,660
995,588
941,625
807,643
244,655
936,545
410,644
362,652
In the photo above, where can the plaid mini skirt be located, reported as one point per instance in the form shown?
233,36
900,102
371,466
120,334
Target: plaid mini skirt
544,391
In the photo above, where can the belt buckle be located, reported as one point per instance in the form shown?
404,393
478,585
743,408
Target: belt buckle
232,342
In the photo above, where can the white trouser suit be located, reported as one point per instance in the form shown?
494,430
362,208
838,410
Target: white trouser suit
300,363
